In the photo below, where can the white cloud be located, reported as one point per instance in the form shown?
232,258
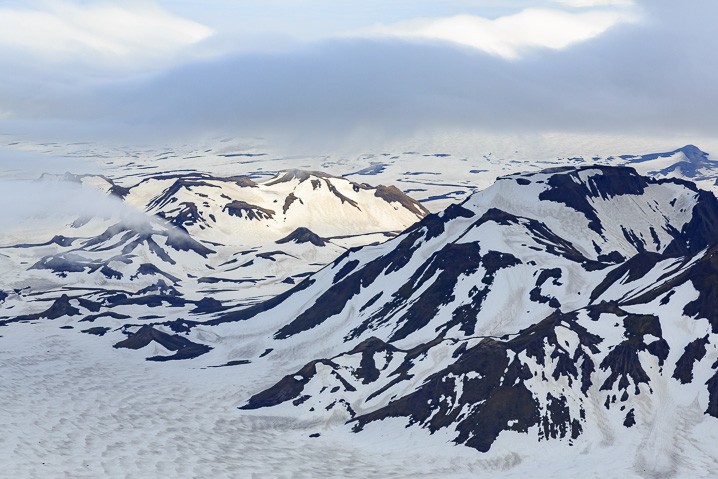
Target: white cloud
117,35
594,3
513,35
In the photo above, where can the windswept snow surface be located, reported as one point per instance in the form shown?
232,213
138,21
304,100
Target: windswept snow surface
72,407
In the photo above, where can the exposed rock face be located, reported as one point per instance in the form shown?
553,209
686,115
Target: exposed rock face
242,209
303,235
184,348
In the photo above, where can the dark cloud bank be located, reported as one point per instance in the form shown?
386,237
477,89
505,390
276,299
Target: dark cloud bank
657,77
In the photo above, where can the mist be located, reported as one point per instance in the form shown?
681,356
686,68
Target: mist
50,203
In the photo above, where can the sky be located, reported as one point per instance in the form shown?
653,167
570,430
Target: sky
322,75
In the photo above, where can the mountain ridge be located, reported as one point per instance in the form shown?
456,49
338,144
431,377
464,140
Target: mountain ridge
480,378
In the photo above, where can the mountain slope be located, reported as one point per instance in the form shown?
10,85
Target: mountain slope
572,223
568,305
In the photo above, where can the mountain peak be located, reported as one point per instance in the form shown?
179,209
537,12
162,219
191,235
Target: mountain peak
693,153
296,174
688,161
303,235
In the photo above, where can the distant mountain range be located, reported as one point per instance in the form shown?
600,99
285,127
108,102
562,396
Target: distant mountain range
201,231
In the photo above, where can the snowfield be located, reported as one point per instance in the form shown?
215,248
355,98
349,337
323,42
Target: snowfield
72,407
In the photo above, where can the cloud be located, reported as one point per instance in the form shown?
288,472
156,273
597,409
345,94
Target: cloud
34,193
116,36
594,3
46,206
652,78
510,36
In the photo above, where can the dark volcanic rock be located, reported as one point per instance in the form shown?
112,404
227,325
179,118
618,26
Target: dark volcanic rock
243,209
393,194
303,235
702,229
98,331
694,352
60,307
493,400
185,349
291,198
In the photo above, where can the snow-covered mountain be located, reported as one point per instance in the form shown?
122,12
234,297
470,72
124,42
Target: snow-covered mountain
238,210
687,162
567,312
570,304
210,236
